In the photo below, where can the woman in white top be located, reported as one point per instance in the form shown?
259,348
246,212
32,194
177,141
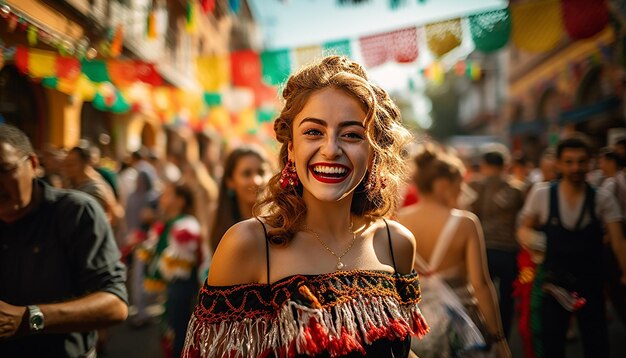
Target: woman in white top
450,256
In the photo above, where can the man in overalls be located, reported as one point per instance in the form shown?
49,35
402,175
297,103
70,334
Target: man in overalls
568,215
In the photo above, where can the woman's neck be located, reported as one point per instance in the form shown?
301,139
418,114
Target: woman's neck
331,219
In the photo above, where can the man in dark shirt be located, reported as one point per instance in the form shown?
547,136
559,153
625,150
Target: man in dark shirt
60,274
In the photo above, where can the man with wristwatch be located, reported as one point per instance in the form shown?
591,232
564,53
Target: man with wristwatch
60,274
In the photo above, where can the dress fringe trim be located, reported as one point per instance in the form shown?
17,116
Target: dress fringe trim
297,329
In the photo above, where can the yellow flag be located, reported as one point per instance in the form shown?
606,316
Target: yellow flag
537,25
41,63
213,72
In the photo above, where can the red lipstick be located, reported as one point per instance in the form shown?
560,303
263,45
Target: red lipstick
329,173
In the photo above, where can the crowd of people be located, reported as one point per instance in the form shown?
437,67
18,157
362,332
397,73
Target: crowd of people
329,254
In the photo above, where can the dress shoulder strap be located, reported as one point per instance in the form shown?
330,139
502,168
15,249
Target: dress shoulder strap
267,251
393,259
443,241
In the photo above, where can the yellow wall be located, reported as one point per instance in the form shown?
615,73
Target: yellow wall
64,118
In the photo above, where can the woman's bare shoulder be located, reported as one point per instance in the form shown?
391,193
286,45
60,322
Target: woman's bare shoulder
240,256
403,243
469,223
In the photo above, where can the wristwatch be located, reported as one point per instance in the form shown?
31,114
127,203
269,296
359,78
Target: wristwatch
35,318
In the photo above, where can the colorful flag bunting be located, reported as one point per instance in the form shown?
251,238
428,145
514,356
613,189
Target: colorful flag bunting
341,47
276,66
490,30
400,46
584,18
537,25
405,45
245,67
213,72
305,55
443,37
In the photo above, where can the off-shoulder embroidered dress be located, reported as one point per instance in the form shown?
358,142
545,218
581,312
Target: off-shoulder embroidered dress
344,313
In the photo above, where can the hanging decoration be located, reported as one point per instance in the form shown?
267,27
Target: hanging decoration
213,72
207,6
264,95
537,25
147,73
276,66
584,18
236,99
490,30
395,4
375,49
118,41
212,99
122,73
400,46
245,67
41,63
444,36
305,55
405,45
191,21
341,47
435,72
95,70
474,71
31,35
151,25
110,99
35,32
234,5
21,59
265,115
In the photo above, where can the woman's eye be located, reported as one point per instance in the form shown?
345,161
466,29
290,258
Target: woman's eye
353,135
312,132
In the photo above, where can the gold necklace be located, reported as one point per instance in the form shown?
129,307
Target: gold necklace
340,265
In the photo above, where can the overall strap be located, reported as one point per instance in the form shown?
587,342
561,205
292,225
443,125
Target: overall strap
554,203
443,241
267,251
393,259
588,205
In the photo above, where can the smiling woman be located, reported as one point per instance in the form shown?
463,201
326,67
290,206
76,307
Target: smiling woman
319,271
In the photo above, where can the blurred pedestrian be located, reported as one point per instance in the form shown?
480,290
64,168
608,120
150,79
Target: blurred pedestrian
547,168
205,191
82,176
141,212
171,254
60,273
320,272
458,297
52,163
563,219
107,174
498,203
246,172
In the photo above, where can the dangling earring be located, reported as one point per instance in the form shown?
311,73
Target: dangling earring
289,176
374,183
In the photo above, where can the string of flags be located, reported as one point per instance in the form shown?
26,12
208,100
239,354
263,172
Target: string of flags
240,87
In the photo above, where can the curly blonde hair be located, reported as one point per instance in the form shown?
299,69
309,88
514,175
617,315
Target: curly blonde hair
284,209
